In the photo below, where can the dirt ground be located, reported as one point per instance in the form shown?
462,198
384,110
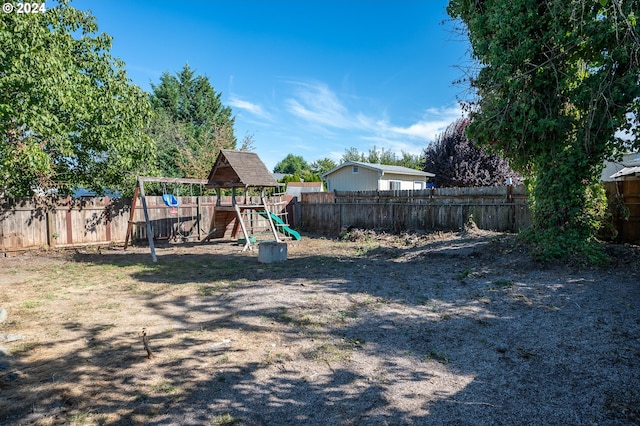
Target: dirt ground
367,329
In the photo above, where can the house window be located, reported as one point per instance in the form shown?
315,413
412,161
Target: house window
418,185
394,185
355,170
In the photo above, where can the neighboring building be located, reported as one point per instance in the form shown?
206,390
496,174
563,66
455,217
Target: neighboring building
297,188
357,176
279,176
628,167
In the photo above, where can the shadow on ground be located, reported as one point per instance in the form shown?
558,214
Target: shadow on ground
448,332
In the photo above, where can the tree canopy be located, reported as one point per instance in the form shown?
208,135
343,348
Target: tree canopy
557,82
191,124
322,165
297,169
382,156
456,161
291,164
69,116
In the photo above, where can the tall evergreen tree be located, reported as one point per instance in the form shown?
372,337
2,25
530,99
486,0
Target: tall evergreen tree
191,124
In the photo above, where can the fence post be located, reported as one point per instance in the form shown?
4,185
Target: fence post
107,218
51,232
512,206
68,221
197,221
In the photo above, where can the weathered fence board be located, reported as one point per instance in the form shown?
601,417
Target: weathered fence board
75,222
496,208
624,207
86,221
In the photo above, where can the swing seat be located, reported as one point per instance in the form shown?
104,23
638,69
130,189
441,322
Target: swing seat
170,200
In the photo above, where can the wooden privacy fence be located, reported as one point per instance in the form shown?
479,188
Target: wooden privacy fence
624,209
497,208
78,222
86,221
494,208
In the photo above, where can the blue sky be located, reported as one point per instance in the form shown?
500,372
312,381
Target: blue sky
307,77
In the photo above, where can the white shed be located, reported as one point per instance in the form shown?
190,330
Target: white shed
297,188
357,176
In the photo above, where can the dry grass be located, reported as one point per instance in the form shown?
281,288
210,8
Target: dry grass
370,329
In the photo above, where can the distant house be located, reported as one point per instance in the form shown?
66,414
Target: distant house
279,176
297,188
357,176
627,168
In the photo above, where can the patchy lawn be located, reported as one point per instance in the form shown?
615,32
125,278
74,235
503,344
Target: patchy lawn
370,329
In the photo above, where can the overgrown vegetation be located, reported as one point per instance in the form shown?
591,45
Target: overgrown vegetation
557,88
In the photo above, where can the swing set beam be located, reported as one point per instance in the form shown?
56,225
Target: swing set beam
139,190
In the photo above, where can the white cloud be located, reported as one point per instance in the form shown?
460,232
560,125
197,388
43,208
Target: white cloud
316,103
318,122
433,122
250,107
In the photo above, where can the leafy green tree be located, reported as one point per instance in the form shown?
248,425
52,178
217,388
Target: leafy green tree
557,80
292,164
322,165
69,116
383,156
296,169
352,154
410,161
456,161
191,124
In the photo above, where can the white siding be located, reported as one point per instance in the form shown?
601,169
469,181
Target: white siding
345,180
406,182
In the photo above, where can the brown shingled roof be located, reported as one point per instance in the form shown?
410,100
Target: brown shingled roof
239,169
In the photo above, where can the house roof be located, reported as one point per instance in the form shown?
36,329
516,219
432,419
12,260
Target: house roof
238,169
278,176
305,184
382,169
626,171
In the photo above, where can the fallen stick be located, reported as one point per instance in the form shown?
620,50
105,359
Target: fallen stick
145,342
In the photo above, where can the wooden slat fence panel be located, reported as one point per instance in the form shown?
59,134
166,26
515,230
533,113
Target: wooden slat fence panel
95,220
25,225
624,207
22,224
78,222
497,208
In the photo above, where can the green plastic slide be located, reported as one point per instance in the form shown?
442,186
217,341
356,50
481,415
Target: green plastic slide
281,226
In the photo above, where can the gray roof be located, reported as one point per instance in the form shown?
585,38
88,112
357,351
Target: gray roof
382,168
626,171
239,169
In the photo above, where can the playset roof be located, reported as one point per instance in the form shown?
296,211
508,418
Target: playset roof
239,169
